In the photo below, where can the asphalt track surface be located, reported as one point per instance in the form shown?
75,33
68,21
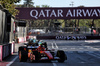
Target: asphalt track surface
79,53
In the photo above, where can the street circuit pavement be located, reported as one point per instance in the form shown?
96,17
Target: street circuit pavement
79,53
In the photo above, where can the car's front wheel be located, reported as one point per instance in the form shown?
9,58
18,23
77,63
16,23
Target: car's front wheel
61,54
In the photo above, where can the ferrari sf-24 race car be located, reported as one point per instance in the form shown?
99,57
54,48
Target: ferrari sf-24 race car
33,52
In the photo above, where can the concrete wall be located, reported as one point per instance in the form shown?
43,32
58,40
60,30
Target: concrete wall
2,26
5,34
5,50
12,31
21,33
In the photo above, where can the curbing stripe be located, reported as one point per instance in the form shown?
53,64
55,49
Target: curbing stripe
12,61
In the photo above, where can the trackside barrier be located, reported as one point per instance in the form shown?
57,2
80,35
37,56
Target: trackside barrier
63,37
5,50
93,37
0,52
13,47
69,37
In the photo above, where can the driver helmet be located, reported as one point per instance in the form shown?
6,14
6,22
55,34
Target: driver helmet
34,40
40,43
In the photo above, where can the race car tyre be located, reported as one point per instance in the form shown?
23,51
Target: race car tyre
31,57
23,55
61,55
37,55
21,48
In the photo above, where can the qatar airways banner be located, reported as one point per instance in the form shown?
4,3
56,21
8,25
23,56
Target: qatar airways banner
59,13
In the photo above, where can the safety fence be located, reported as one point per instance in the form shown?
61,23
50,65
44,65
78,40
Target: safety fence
70,30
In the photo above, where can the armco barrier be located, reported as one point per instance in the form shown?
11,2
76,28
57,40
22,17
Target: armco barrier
5,50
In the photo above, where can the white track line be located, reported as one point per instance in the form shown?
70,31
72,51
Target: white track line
92,41
54,64
80,48
12,61
94,55
91,47
73,48
56,45
52,45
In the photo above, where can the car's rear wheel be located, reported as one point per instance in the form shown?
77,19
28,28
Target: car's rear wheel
23,56
61,55
31,57
34,56
37,55
22,48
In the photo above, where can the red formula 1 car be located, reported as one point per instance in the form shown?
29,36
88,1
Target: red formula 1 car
37,53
